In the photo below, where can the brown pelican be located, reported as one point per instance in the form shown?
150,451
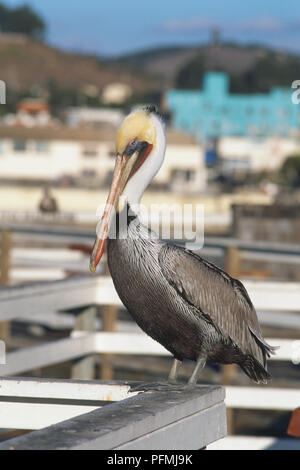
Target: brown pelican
191,307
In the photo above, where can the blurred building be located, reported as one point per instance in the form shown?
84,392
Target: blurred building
87,156
116,93
214,112
248,132
257,223
30,112
93,117
255,154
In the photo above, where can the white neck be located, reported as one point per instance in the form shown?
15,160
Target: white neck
139,181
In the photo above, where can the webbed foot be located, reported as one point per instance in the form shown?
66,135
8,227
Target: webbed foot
160,387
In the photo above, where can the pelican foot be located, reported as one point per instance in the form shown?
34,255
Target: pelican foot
160,387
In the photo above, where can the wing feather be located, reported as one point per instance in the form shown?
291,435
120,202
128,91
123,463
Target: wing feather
223,299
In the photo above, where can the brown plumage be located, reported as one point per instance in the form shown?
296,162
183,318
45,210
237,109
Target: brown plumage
225,303
193,308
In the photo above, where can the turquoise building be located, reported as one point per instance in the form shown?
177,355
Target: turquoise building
213,112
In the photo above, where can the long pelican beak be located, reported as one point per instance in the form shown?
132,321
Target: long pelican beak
125,166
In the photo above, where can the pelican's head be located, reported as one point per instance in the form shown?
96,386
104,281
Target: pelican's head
140,150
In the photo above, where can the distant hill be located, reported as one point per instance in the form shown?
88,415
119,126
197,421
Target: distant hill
27,63
161,61
167,61
30,66
240,62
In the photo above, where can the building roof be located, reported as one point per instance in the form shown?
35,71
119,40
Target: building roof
33,106
57,133
84,134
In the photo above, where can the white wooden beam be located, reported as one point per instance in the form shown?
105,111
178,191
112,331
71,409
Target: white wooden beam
26,359
61,389
265,398
255,443
268,295
52,296
17,302
124,343
81,344
34,416
141,344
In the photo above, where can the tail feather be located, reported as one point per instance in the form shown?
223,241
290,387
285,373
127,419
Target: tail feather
255,363
254,370
266,348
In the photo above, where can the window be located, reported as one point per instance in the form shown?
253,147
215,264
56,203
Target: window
189,175
88,173
207,106
19,145
183,175
42,146
112,153
215,125
283,112
90,151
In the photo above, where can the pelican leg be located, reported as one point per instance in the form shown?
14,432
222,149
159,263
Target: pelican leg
197,371
172,379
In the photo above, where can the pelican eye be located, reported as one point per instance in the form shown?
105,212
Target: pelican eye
132,147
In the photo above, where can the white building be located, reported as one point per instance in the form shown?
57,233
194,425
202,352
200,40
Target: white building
256,154
93,117
49,154
116,93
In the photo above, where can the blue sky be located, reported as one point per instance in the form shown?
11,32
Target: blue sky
112,27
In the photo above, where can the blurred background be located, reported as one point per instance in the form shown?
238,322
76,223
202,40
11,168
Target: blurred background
221,74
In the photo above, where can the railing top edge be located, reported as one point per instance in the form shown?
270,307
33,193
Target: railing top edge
27,289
